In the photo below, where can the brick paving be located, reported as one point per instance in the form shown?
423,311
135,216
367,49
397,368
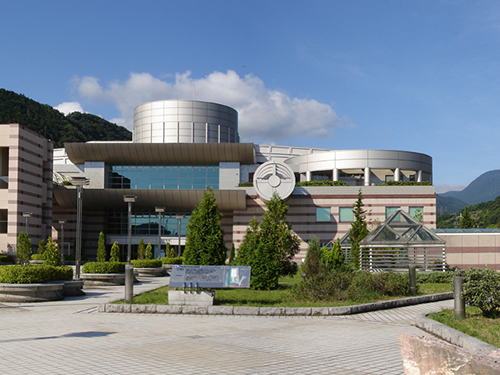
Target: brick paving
70,337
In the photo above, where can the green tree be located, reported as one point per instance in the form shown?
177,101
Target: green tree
23,249
249,244
140,249
314,264
115,253
338,257
419,216
41,247
169,251
101,248
466,221
358,229
273,244
52,255
205,238
232,255
149,251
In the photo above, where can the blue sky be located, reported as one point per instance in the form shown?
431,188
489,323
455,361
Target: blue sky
410,75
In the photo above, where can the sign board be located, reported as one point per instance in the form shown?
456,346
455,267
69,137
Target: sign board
210,277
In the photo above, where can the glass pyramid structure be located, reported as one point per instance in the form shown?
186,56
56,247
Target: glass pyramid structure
402,231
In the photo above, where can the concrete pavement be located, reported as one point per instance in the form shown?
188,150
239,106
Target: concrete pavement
70,337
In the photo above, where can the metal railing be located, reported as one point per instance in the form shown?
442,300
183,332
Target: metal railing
387,259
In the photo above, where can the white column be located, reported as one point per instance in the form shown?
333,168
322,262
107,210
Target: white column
335,174
367,176
419,176
308,176
397,174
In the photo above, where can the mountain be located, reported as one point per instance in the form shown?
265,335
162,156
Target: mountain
483,189
447,205
53,125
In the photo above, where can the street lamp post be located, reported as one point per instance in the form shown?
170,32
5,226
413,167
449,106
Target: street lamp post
79,182
179,218
62,222
27,216
129,268
159,210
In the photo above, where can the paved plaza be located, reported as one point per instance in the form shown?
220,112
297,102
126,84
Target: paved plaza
71,337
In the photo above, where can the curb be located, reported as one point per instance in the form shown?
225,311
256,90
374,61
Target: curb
453,336
271,311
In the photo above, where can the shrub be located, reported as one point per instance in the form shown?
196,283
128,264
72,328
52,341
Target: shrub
322,183
37,257
6,258
52,256
353,285
73,257
115,253
169,251
435,277
34,274
23,248
103,267
149,252
481,289
232,255
314,263
404,183
173,260
146,263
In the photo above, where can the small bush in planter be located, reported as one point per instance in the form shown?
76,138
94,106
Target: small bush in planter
23,249
6,258
51,254
149,252
103,267
37,257
146,263
34,274
114,255
166,260
41,248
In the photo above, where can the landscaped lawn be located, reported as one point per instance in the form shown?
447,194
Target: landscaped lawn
475,325
280,297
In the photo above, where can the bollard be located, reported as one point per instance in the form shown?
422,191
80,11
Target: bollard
129,282
458,299
413,279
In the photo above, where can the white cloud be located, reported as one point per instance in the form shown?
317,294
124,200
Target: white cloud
69,107
264,114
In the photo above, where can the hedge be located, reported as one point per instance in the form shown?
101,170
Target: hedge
103,267
6,258
35,273
322,183
38,257
146,263
178,260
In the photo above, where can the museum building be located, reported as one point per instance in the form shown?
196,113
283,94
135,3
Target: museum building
180,147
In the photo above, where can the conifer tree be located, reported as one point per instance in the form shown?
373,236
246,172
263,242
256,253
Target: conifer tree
271,247
314,263
115,253
52,255
466,221
205,238
169,251
101,248
338,257
232,255
140,249
149,251
23,249
358,230
41,247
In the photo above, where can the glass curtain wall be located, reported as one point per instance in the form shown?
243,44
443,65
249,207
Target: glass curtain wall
163,177
146,224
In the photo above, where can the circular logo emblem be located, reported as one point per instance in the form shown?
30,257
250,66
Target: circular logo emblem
274,177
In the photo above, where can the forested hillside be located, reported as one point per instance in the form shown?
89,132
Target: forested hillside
53,125
484,215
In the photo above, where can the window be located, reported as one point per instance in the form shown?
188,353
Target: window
346,214
323,214
389,211
3,221
417,213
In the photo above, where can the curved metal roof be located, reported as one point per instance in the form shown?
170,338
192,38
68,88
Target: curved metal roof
125,153
105,199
